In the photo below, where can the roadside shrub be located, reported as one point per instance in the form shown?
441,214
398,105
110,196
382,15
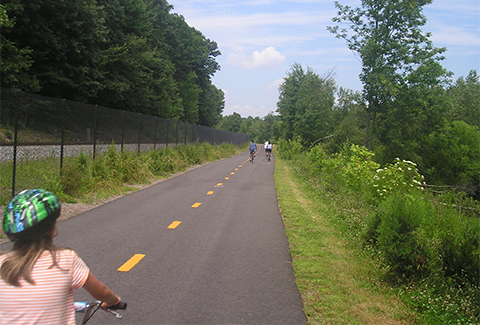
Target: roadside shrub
401,177
191,154
418,237
358,169
291,148
395,231
316,158
352,168
452,155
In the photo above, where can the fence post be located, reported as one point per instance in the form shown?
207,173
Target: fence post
123,130
155,134
176,131
15,142
185,141
62,141
168,130
139,135
95,132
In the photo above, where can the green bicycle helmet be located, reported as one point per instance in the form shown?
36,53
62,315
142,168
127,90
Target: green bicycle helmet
28,211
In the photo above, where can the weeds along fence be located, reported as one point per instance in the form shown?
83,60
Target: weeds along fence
34,127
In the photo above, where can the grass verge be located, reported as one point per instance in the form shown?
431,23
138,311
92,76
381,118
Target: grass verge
338,284
88,180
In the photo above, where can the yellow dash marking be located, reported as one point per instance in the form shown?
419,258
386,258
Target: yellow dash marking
240,166
196,205
219,184
174,225
236,168
131,263
227,177
209,192
232,173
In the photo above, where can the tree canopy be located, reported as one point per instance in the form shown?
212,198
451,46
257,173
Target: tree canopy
394,51
133,55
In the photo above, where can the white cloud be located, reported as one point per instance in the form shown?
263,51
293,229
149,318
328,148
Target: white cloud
290,18
454,36
266,59
273,86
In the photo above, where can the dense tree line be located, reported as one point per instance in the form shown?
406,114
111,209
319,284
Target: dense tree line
409,108
134,55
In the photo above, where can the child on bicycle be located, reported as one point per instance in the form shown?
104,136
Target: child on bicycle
37,278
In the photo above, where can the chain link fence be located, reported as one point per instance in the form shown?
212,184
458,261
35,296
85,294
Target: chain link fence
34,127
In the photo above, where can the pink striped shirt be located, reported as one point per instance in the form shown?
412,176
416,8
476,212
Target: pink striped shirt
50,300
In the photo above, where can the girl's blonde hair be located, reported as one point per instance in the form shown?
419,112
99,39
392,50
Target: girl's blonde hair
25,252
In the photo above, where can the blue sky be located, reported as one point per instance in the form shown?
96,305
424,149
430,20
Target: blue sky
260,40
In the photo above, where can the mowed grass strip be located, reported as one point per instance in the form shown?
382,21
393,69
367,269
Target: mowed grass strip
337,284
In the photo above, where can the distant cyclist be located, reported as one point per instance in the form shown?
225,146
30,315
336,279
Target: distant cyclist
268,149
37,278
265,148
253,149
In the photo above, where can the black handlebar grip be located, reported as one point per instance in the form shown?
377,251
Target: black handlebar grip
121,305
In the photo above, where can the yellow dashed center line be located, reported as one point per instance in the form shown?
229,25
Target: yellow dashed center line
227,177
131,263
196,205
236,168
209,192
219,184
232,173
174,225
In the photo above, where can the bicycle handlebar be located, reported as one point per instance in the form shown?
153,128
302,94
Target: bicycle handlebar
120,306
90,308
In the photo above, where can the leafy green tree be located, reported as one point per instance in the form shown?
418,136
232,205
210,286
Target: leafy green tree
387,37
314,108
15,61
137,76
271,129
126,54
306,105
348,119
189,92
65,39
230,123
190,51
288,97
212,102
452,156
465,96
418,110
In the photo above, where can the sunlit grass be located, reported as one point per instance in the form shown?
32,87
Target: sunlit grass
338,284
87,180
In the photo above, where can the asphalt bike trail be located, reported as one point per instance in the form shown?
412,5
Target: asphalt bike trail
204,247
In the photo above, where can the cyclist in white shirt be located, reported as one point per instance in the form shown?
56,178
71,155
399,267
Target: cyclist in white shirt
268,148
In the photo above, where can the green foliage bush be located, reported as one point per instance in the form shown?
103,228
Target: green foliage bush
399,177
353,167
428,243
418,237
110,172
290,149
393,229
452,155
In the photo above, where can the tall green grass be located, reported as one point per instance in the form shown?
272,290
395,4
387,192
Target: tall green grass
114,172
427,246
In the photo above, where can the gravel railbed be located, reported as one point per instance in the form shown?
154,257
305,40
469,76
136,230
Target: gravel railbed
34,152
